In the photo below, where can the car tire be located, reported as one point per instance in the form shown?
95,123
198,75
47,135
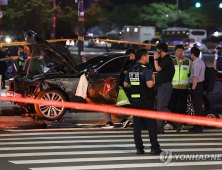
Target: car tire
51,112
212,115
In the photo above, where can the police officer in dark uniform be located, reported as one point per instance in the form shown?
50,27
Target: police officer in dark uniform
3,65
140,80
218,58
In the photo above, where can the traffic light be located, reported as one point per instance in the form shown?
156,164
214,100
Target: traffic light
220,5
198,5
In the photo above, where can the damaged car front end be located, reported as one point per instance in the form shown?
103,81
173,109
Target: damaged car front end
58,83
59,77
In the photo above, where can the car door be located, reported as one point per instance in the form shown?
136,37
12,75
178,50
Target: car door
102,84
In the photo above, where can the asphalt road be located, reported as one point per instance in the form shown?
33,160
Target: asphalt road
73,149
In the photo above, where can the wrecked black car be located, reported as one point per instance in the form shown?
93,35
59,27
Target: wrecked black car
59,79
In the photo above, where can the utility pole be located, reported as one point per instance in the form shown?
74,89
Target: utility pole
81,30
177,13
177,9
52,35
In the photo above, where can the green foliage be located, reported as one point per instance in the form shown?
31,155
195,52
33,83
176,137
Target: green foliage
94,17
36,15
25,15
156,14
124,15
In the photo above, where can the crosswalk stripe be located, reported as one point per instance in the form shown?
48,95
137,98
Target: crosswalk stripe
82,129
140,165
44,161
47,161
64,133
100,146
107,141
102,152
103,146
106,136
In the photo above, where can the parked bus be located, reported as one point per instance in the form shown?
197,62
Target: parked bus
185,36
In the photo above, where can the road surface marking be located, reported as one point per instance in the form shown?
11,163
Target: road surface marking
137,165
101,152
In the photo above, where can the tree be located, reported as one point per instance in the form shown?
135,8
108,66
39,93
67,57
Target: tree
161,15
94,17
126,14
25,15
68,20
164,15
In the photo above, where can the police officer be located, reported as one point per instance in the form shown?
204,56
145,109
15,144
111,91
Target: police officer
3,65
218,58
197,87
178,100
140,80
22,59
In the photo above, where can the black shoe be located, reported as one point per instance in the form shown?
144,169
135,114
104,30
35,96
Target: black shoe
196,130
179,127
140,151
125,123
3,88
109,125
155,151
160,131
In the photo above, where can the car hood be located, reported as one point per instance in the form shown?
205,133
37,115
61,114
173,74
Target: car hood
60,61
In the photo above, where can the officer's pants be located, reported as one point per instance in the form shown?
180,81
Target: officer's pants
151,125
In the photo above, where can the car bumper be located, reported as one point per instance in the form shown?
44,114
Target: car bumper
12,94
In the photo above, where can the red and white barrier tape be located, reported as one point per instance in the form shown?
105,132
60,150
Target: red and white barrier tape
124,111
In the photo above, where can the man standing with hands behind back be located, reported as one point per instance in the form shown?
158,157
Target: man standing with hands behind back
164,78
197,87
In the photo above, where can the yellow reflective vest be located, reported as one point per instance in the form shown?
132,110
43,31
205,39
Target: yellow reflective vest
181,72
122,99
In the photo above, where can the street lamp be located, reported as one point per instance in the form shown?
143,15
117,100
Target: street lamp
198,5
8,40
220,5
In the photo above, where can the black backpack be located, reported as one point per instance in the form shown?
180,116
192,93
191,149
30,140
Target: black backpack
210,78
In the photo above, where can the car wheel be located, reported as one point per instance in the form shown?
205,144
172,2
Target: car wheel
51,112
190,111
212,115
190,108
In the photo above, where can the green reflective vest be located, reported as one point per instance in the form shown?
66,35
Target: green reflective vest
122,99
21,60
181,72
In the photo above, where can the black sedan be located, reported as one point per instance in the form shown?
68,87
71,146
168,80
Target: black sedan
59,81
